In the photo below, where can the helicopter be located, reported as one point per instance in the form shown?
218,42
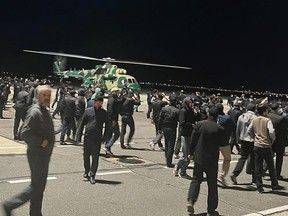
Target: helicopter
106,76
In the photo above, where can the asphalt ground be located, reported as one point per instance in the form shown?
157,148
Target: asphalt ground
133,182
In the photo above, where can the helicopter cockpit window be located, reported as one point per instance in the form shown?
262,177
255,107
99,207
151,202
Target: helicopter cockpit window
101,70
131,81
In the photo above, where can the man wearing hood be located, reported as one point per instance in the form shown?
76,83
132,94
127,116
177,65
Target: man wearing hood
246,141
187,119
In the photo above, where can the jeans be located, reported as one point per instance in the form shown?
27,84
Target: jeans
184,161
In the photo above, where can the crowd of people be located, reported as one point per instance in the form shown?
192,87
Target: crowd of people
197,124
257,127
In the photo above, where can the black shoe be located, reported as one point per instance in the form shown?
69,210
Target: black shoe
214,213
260,190
278,187
15,138
127,146
280,178
63,143
234,179
6,210
92,180
108,151
170,165
85,175
122,147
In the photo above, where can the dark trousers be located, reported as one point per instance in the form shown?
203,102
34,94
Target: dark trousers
34,192
1,110
170,138
127,120
115,133
233,142
261,155
159,136
94,152
211,170
279,150
246,151
19,115
149,110
68,125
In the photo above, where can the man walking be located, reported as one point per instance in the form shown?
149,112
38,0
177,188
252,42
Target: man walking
38,133
93,120
261,128
206,139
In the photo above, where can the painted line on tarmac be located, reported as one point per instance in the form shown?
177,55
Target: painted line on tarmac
12,147
113,173
269,211
28,180
54,178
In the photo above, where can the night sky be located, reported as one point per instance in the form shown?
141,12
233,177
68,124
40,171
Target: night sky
227,43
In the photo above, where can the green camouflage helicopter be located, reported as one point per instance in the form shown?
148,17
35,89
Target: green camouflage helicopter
107,76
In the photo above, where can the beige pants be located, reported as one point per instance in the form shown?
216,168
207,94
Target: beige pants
226,153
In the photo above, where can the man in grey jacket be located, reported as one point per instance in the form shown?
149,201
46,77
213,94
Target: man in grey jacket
246,141
38,133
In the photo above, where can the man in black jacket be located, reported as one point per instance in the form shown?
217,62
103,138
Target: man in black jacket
21,106
157,105
69,113
280,124
206,139
168,122
113,109
126,112
93,120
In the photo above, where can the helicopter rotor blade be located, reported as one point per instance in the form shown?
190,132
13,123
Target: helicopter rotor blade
110,60
64,55
151,64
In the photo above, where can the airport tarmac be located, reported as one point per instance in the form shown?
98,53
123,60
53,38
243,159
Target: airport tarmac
134,182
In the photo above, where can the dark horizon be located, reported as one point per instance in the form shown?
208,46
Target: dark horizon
227,44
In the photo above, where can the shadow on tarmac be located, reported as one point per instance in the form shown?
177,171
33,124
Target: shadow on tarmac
108,182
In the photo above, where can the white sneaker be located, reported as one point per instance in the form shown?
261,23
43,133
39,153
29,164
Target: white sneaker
190,207
175,171
222,180
152,146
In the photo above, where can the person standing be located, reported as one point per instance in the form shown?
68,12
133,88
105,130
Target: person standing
246,141
188,116
94,119
126,112
113,109
234,113
168,122
280,124
157,105
20,106
38,133
2,104
261,129
80,106
69,113
206,139
226,122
